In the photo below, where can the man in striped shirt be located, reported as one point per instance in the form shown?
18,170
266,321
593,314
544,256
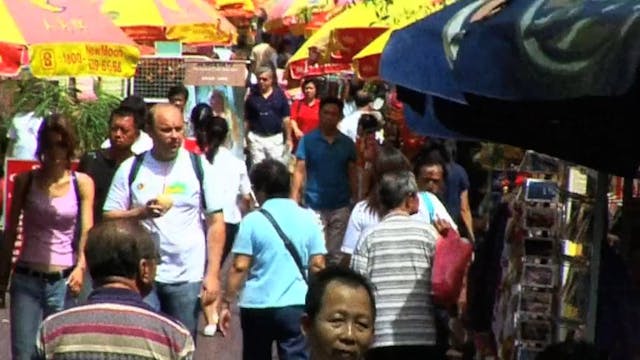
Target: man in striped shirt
116,323
396,256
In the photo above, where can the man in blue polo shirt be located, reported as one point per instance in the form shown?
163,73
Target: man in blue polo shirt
326,160
266,117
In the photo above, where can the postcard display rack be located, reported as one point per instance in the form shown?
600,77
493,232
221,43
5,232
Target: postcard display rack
544,289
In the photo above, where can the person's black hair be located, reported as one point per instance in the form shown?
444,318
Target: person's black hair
310,81
139,107
437,147
178,90
272,178
266,38
332,100
571,350
122,111
320,281
216,132
201,114
355,85
362,98
115,248
368,123
429,157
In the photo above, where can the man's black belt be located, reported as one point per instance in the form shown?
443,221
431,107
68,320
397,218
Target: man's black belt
52,276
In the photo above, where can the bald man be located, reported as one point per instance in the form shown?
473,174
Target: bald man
162,189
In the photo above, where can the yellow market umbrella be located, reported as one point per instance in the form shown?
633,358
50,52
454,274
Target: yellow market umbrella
294,15
70,38
235,8
188,21
342,37
319,45
367,62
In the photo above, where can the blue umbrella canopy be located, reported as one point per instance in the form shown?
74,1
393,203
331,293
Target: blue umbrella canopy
555,76
519,50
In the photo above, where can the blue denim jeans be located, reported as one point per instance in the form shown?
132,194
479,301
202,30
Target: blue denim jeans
180,301
264,326
32,300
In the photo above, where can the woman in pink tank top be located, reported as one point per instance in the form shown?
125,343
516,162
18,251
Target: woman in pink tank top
57,213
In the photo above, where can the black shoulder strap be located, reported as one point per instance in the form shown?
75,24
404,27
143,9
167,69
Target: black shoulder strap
135,168
196,162
287,242
78,232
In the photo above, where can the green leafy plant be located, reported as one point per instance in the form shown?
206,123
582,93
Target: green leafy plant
45,97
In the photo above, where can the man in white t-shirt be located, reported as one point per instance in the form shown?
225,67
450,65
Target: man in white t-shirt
23,136
349,124
165,195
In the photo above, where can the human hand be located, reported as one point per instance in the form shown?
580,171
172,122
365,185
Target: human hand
224,322
289,145
75,280
152,209
443,226
298,133
210,289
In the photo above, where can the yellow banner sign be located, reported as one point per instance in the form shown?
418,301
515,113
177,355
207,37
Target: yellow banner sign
83,59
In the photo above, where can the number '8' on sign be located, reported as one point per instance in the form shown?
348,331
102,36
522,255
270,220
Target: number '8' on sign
47,59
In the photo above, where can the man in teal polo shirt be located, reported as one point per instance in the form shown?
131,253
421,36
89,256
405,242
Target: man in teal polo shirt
326,160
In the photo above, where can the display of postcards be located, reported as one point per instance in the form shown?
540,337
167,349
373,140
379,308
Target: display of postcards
541,190
573,298
527,353
536,275
538,331
536,302
536,217
577,221
539,247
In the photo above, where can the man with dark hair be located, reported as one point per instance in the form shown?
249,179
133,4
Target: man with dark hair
178,96
277,248
267,127
325,168
396,256
116,323
138,108
101,164
341,293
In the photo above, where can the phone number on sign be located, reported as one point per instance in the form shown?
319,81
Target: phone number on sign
105,65
72,58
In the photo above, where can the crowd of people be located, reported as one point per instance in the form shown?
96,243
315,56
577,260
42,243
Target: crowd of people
330,253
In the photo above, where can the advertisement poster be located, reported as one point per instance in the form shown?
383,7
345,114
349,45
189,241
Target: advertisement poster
222,86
